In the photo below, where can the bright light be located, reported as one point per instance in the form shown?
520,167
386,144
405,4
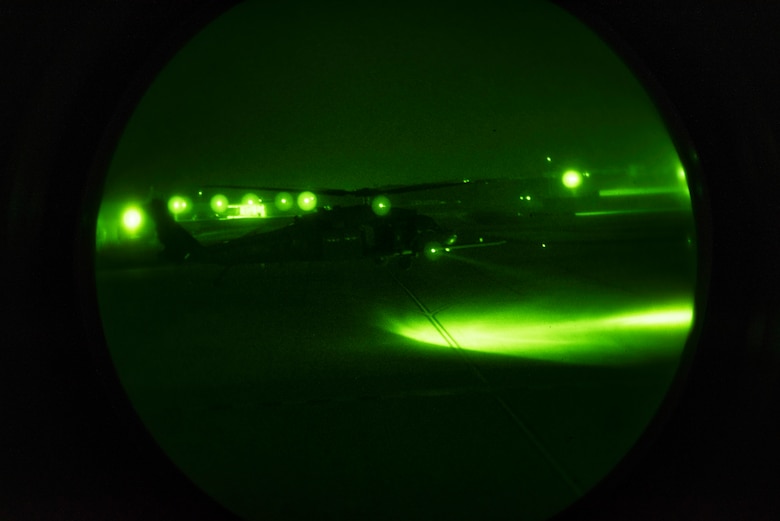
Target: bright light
380,205
131,219
549,159
307,201
283,201
250,199
682,178
432,250
219,203
624,212
177,204
626,192
628,337
572,179
249,210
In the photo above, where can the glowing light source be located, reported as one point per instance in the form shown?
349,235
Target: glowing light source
572,179
307,201
178,205
380,205
250,199
219,203
432,250
283,201
251,209
131,219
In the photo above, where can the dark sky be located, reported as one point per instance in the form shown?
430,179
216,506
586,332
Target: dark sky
352,94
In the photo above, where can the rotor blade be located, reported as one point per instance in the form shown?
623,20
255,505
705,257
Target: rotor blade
323,191
406,188
473,245
360,192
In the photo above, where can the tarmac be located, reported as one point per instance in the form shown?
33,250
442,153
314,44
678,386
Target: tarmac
491,383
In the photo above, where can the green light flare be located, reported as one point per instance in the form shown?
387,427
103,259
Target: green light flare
219,203
131,219
178,205
624,212
380,205
572,179
629,192
619,339
660,318
307,201
549,159
250,199
683,181
432,250
283,201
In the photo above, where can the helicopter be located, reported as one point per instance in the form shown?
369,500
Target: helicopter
374,229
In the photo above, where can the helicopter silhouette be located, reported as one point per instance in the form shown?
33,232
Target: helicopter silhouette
374,230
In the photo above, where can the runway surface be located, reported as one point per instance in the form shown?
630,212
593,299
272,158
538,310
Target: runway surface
498,382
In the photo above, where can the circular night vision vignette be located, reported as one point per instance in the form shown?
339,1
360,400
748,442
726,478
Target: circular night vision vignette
170,394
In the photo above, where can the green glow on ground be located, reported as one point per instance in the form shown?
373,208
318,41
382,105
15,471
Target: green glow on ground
131,219
307,201
624,212
629,337
627,192
219,203
572,179
380,205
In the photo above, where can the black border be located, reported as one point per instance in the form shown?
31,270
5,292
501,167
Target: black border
67,452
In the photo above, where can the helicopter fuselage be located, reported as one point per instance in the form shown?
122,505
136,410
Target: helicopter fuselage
331,234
